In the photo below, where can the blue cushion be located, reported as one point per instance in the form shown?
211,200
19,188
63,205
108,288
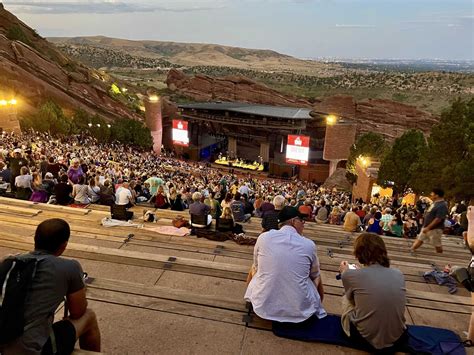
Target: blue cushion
328,330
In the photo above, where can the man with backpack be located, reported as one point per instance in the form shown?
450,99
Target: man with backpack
33,286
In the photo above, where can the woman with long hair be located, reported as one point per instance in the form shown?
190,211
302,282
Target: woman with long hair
23,184
39,192
94,190
80,192
226,201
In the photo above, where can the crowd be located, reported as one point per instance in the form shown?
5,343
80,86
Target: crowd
79,170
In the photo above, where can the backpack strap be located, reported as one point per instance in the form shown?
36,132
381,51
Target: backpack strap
5,282
54,346
40,320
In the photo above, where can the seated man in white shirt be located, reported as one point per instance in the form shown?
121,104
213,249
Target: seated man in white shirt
289,291
123,196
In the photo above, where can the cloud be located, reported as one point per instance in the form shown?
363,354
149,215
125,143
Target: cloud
354,26
109,6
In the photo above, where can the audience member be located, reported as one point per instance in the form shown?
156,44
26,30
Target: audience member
322,213
270,216
289,291
63,191
199,209
375,297
80,191
123,196
238,209
55,279
351,220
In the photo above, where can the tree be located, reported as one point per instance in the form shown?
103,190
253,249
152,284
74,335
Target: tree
396,164
448,161
15,33
49,118
371,145
131,132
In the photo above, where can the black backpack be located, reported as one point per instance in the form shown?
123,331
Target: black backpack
16,275
465,276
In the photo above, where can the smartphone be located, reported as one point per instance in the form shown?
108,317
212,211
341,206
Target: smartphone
352,266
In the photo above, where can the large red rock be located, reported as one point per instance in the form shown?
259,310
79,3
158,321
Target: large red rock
230,88
340,105
387,117
392,118
35,71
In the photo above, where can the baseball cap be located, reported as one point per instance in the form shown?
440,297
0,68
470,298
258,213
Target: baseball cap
48,175
289,212
17,150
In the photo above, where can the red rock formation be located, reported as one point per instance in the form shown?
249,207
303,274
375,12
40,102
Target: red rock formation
391,118
340,105
42,72
230,88
338,181
387,117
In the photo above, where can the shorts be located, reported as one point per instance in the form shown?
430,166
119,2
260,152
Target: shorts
65,335
433,236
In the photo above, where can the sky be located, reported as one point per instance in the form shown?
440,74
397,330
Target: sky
404,29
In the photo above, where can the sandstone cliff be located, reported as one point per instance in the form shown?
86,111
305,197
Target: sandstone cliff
32,70
230,88
387,117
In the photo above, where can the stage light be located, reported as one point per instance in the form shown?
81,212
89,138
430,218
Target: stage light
13,102
331,120
98,125
108,126
3,102
89,124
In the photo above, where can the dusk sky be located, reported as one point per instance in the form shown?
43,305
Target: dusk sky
304,28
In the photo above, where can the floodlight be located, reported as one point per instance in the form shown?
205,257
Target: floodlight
331,120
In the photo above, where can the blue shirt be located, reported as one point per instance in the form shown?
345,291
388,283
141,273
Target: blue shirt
282,288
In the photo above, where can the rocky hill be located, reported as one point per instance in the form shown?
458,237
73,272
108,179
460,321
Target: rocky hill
148,62
174,54
33,70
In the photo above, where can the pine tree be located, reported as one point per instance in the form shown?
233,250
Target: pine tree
448,161
396,165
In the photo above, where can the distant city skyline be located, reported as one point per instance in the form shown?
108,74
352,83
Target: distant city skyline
405,29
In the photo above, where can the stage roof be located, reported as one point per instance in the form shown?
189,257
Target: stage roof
252,109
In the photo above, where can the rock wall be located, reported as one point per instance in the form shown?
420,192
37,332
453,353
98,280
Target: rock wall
37,71
391,118
230,88
387,117
340,105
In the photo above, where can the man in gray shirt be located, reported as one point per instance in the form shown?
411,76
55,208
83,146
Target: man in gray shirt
375,297
433,225
55,279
